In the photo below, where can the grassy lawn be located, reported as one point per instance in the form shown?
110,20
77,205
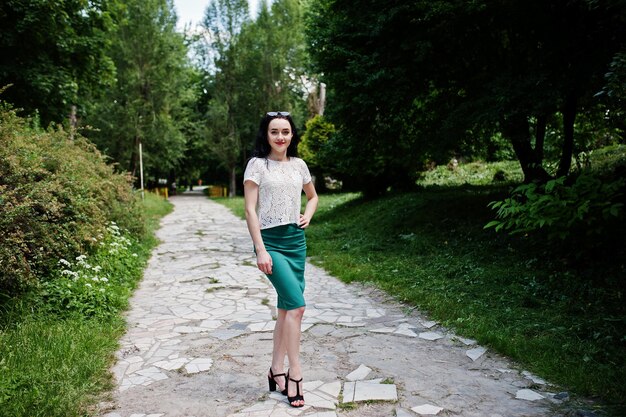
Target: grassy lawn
429,250
58,364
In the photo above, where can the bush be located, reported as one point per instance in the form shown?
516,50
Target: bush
92,286
56,195
318,131
587,207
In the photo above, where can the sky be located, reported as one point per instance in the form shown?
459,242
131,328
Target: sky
193,10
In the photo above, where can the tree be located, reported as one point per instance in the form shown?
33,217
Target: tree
410,78
150,101
223,21
54,54
253,67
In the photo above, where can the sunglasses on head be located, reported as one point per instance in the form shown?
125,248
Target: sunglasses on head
277,113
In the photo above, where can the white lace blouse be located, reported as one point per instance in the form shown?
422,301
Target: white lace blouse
280,189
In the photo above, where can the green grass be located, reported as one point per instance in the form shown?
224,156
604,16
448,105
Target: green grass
56,368
58,365
475,173
429,250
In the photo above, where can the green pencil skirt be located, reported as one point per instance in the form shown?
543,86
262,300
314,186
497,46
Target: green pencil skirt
286,245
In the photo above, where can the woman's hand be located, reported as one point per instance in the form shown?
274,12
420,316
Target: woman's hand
264,262
304,221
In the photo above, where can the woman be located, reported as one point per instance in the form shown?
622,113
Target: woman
273,184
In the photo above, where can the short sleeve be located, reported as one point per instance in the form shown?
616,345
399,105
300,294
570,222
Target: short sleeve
252,172
306,175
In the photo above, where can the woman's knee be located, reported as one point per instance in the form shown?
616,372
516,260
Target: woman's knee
296,313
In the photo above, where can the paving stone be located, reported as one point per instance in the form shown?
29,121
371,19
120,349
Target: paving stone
528,395
317,401
401,412
432,336
152,373
312,385
383,330
366,390
358,374
199,365
467,342
534,378
225,334
332,388
427,410
428,324
476,353
348,392
173,364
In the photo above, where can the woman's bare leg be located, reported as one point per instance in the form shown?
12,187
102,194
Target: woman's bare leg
280,348
291,328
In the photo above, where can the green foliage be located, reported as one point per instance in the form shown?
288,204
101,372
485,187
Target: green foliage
428,249
151,97
311,148
249,67
586,207
421,79
95,287
55,360
54,54
474,173
55,196
53,368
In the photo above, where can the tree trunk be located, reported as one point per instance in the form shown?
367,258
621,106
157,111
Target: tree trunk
232,192
515,128
134,158
569,116
540,135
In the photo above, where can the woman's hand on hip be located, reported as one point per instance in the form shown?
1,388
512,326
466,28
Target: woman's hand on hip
264,262
304,221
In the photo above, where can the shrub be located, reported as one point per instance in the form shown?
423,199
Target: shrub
56,194
585,208
318,131
92,286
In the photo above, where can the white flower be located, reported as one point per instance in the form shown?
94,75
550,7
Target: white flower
135,255
96,279
81,258
104,279
64,262
101,289
97,268
70,273
88,285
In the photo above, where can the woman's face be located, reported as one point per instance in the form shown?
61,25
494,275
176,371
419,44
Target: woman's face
279,135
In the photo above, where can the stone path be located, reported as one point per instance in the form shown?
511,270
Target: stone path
199,341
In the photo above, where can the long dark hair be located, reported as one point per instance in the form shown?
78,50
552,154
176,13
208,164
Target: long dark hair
262,147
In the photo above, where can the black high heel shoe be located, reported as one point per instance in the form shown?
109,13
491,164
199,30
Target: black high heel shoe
271,380
298,396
